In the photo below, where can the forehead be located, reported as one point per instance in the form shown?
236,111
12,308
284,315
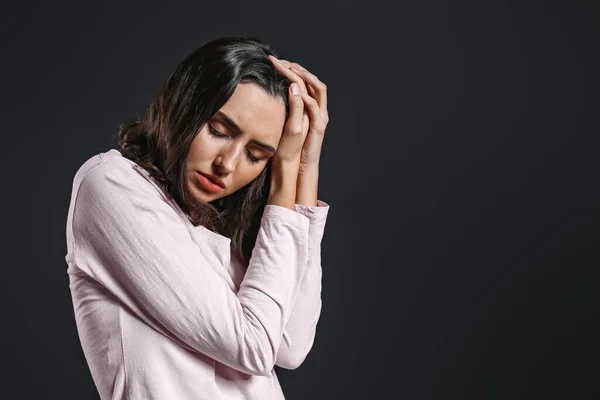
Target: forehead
260,115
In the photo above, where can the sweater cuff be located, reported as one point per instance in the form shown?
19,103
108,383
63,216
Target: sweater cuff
285,214
317,215
314,213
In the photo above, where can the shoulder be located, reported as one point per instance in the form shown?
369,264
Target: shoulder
110,184
110,162
110,173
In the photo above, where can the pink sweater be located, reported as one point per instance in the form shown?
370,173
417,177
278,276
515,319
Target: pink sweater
165,311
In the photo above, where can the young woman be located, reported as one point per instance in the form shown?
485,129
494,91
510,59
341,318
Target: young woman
194,247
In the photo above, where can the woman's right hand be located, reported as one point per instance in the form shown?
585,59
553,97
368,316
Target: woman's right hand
285,163
295,130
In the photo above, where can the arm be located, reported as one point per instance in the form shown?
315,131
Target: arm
135,244
299,332
300,329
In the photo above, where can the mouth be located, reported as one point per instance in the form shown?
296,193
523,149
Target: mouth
210,183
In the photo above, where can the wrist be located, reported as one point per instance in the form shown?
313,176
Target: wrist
311,168
284,178
307,186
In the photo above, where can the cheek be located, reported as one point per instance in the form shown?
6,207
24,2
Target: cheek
248,174
203,148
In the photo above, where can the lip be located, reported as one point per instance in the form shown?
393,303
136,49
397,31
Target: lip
210,182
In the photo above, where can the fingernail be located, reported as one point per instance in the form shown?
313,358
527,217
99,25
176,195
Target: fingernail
295,88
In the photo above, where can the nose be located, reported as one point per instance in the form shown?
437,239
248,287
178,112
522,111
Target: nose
227,159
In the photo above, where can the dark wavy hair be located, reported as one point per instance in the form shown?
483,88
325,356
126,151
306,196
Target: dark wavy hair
198,87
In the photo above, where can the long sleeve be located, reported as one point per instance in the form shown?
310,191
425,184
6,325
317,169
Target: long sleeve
126,237
300,329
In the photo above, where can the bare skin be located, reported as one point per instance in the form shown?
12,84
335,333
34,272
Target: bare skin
232,157
314,95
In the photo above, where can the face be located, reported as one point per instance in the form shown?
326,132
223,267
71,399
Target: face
235,144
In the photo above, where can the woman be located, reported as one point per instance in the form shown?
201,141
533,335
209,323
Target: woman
194,248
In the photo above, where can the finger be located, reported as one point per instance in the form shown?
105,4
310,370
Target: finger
319,89
316,88
294,123
311,107
291,75
305,122
285,71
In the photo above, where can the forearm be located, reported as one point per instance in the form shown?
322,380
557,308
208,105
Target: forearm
300,328
307,185
284,179
196,308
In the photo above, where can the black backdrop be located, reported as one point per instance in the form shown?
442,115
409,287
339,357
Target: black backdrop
460,163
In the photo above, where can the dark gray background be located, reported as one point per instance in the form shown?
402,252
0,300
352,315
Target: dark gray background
460,163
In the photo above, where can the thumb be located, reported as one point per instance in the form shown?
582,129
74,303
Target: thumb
294,123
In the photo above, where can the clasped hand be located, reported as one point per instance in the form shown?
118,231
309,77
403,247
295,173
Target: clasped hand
308,115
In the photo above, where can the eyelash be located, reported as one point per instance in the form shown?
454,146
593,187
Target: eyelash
218,134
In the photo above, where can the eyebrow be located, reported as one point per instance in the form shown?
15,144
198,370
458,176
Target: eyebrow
233,125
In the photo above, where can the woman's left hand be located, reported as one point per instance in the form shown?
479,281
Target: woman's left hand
315,106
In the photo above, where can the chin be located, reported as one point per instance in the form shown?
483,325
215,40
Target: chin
207,197
204,197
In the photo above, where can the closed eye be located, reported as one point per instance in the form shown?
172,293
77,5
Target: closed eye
216,133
